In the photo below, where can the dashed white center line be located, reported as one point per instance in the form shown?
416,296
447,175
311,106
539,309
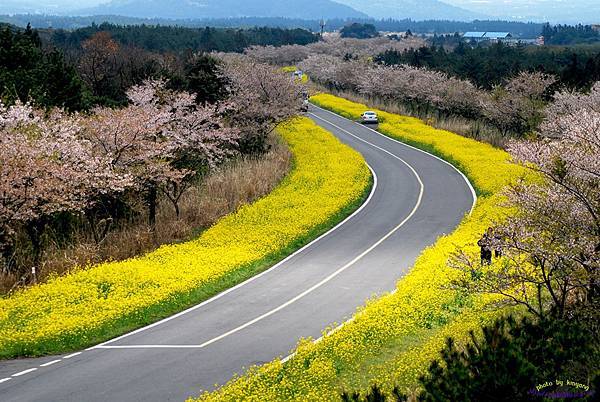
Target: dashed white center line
31,370
50,363
20,373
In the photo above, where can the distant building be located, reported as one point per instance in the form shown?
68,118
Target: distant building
488,36
596,27
541,41
498,36
395,35
476,36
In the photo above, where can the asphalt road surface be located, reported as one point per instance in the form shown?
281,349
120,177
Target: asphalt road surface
416,198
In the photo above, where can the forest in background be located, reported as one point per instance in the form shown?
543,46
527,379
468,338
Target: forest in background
96,65
521,29
576,67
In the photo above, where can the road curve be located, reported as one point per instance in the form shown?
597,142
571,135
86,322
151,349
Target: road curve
417,197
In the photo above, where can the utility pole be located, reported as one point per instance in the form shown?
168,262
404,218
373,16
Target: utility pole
322,23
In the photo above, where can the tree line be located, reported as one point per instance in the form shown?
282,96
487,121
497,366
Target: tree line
96,65
177,39
29,72
514,109
570,35
521,29
64,173
576,67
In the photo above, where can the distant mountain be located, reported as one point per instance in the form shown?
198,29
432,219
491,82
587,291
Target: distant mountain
190,9
413,9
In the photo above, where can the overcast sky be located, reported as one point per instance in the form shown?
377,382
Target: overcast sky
571,11
587,11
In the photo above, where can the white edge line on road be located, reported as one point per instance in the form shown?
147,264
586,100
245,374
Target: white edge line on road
472,189
322,282
345,267
150,347
72,355
20,373
469,184
5,379
274,267
50,363
333,331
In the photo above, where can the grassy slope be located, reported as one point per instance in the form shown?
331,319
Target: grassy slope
95,304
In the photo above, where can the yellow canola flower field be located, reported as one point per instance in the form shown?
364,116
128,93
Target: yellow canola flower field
328,180
488,168
392,340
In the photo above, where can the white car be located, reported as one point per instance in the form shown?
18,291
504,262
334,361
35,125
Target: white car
369,117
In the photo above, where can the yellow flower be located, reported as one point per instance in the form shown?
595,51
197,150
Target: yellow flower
392,339
77,309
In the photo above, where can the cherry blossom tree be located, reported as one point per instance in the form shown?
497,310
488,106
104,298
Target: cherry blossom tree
55,164
569,103
282,55
198,141
334,72
163,140
418,88
422,89
362,48
518,107
332,46
47,168
262,97
552,243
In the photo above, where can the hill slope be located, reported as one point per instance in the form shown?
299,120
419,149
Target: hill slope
414,9
189,9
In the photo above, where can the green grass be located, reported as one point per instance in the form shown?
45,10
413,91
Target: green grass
361,378
183,301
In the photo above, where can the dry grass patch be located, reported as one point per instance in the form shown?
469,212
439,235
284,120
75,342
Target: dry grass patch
239,183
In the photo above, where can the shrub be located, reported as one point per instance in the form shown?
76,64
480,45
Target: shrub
512,359
359,31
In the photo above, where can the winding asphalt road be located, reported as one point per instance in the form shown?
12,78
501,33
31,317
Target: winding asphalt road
416,198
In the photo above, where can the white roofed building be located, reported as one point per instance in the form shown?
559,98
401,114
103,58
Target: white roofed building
488,36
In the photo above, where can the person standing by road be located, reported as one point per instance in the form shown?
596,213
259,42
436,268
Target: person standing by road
497,246
485,243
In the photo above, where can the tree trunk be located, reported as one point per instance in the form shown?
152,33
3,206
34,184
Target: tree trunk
92,222
35,230
6,252
152,200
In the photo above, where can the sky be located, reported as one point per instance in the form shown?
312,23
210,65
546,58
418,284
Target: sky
568,11
585,11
